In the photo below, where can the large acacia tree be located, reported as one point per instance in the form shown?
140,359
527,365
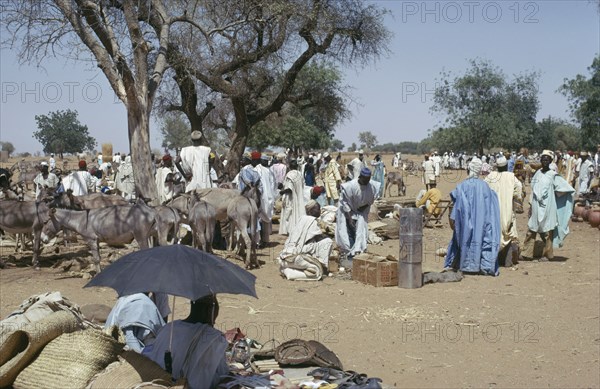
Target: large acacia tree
116,36
251,54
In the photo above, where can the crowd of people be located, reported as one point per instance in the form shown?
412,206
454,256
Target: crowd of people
482,218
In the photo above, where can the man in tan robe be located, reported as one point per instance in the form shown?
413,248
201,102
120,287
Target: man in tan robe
508,188
332,180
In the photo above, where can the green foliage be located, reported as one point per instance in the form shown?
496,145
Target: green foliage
295,133
175,131
484,110
7,146
367,139
61,132
318,96
352,147
566,136
336,145
584,101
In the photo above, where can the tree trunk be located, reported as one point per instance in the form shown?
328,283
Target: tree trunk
139,143
240,137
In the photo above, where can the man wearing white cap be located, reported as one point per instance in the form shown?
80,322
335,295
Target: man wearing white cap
279,168
509,190
551,204
193,163
45,179
355,166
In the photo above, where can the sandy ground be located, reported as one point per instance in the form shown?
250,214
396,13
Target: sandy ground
536,326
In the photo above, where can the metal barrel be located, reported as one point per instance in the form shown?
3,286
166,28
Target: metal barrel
410,260
265,231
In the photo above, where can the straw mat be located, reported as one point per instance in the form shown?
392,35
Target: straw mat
70,360
22,346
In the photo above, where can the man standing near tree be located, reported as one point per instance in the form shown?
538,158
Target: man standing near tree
193,163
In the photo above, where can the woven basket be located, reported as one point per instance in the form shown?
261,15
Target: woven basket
129,372
70,361
21,347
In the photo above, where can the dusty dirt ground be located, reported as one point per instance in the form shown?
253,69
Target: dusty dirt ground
536,326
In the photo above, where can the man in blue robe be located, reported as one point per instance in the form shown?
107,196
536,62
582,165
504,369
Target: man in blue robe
551,204
475,219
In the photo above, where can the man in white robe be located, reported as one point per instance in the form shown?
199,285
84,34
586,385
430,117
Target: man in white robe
193,162
586,170
355,166
292,192
428,172
305,238
79,182
45,179
124,181
356,198
197,348
509,189
164,179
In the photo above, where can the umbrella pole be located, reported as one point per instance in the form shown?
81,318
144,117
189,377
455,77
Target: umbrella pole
168,357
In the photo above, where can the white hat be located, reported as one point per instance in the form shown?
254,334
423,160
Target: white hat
501,161
583,153
44,163
360,151
196,135
548,153
325,154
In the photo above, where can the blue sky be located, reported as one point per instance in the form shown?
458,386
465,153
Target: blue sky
557,38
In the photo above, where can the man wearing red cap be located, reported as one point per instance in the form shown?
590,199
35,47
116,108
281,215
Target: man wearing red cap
80,182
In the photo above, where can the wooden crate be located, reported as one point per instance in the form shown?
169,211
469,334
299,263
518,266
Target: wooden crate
376,271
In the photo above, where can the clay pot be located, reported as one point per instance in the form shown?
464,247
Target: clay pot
585,214
594,217
579,210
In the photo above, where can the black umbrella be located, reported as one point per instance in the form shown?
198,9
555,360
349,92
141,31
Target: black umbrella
177,270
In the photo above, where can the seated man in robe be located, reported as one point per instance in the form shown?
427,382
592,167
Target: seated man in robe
138,318
428,200
194,347
475,221
305,238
